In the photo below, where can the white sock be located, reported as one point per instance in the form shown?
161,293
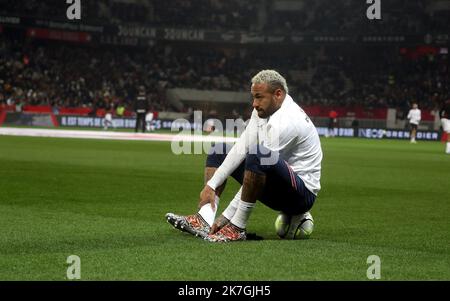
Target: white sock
208,213
242,214
229,212
447,148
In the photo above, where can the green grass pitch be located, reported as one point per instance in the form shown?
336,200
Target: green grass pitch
105,202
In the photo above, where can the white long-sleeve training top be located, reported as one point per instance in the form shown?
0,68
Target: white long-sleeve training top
414,116
288,131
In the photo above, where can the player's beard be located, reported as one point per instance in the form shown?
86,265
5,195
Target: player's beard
262,114
272,108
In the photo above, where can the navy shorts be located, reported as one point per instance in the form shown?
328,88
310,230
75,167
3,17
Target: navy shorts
284,190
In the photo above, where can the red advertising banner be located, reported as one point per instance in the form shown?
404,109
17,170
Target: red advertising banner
70,36
313,111
2,117
37,109
357,112
75,111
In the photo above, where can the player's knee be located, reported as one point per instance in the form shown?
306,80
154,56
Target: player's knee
213,160
260,159
253,163
216,154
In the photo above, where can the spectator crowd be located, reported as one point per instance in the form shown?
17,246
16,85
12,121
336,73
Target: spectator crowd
70,75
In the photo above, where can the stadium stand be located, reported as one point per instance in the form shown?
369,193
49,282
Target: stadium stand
69,75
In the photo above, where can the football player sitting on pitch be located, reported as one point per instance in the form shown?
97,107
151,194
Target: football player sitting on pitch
277,160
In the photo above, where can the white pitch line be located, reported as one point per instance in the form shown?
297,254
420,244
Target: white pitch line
10,131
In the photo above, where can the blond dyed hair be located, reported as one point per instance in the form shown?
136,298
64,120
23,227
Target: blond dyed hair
272,78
